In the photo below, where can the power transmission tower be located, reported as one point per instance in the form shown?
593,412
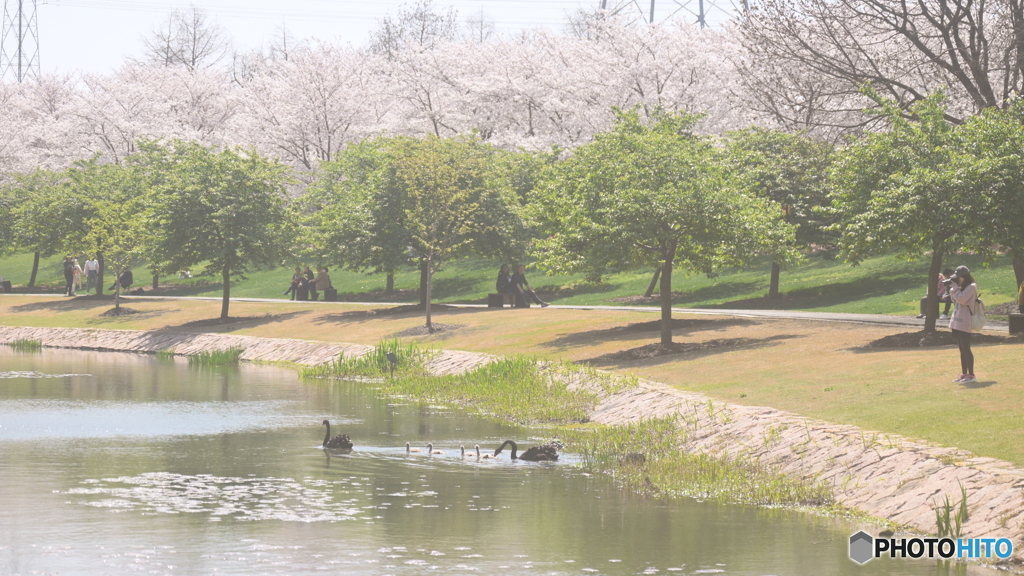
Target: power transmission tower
19,40
703,12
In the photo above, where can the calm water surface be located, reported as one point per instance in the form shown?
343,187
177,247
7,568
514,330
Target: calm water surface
117,464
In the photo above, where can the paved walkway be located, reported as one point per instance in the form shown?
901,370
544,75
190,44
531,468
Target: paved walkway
875,319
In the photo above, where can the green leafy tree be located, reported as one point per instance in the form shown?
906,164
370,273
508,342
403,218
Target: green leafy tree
224,208
51,218
908,190
454,201
654,194
791,171
117,222
996,138
355,210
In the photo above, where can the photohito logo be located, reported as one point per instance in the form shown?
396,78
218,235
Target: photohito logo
864,547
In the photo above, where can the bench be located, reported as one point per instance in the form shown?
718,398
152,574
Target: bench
1016,323
499,300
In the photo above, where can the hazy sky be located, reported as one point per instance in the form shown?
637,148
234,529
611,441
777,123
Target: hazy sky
97,35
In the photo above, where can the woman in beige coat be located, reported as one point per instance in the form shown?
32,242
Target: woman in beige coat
964,293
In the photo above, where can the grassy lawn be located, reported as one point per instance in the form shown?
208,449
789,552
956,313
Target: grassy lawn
883,285
816,369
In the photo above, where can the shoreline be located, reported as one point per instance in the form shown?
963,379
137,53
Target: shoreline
882,475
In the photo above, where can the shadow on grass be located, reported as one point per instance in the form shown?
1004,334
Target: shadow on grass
680,327
234,322
657,353
398,312
66,304
828,295
976,385
922,340
102,320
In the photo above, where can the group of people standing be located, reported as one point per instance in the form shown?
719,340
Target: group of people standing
73,275
517,285
305,282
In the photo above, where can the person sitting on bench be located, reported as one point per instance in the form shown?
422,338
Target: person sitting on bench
504,283
523,290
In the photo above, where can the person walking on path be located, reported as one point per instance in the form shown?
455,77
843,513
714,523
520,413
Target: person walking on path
964,293
69,276
76,271
523,290
92,274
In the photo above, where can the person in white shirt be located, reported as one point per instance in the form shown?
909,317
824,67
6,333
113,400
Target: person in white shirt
92,274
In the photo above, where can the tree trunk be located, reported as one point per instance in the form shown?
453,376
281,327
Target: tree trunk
776,269
156,281
35,270
424,277
931,307
226,276
666,295
99,274
389,284
654,282
117,289
1018,265
430,281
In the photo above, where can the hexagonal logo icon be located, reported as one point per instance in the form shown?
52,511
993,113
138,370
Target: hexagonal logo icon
861,547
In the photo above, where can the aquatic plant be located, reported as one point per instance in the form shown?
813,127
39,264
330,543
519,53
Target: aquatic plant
411,359
649,457
225,357
165,354
26,345
949,524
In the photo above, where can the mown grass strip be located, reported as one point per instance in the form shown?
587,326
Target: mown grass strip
26,345
226,357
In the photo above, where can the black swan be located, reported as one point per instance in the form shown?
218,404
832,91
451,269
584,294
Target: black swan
542,453
339,442
408,449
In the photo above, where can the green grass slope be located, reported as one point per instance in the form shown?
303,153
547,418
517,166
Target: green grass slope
881,285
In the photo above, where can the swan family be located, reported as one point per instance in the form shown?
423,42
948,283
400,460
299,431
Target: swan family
542,453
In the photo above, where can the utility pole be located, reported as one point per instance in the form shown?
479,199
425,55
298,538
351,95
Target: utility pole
19,40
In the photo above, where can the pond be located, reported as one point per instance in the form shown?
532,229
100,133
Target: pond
116,463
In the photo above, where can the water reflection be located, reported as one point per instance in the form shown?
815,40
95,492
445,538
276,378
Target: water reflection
149,465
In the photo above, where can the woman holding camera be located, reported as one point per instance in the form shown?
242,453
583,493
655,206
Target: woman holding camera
964,293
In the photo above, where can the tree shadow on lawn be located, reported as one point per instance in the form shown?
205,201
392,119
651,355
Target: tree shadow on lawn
921,340
102,320
828,295
234,322
680,327
66,304
397,312
657,353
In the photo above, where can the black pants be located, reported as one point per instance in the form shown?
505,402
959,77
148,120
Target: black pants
963,340
69,287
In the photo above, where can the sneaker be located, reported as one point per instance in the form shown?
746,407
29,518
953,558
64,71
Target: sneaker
544,304
943,317
968,379
959,379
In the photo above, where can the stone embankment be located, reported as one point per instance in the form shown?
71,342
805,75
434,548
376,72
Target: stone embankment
883,475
